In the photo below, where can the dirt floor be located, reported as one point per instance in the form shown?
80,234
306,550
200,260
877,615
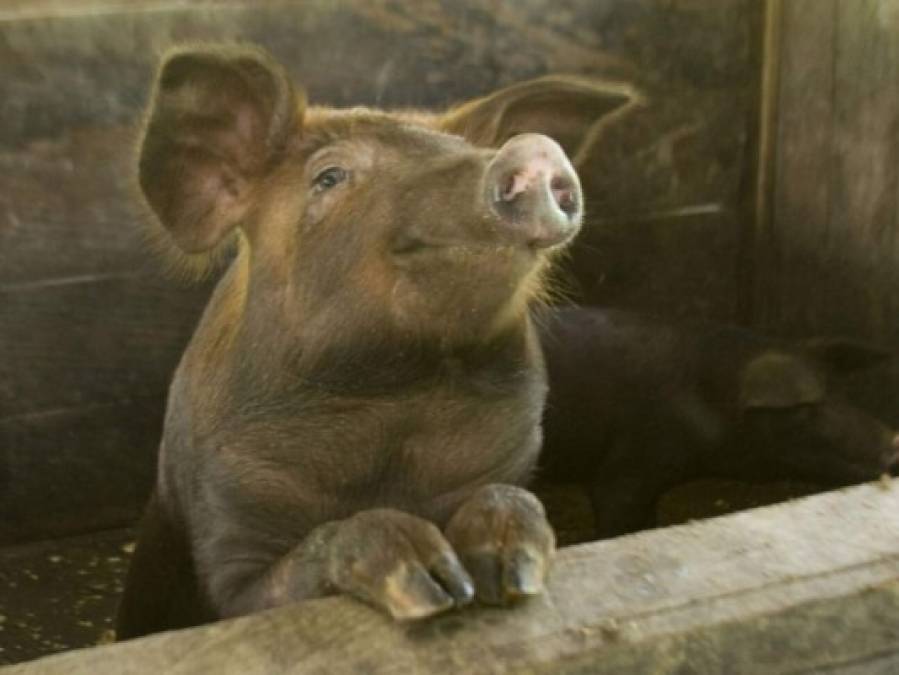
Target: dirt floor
61,594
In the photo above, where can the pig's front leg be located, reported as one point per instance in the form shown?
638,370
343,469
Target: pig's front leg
388,558
505,541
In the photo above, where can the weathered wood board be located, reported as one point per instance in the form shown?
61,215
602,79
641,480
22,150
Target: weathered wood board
827,253
87,323
809,586
830,256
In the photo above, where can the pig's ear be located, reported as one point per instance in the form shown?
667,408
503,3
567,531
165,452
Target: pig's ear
777,380
844,355
571,110
218,121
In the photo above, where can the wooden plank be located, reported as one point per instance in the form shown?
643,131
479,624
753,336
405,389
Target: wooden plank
99,340
861,244
756,205
804,587
701,46
835,247
830,263
68,209
11,10
78,470
805,123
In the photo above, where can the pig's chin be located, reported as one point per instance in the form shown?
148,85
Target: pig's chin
464,292
411,248
485,266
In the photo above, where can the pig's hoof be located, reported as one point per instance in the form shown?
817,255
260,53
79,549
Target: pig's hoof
505,542
398,562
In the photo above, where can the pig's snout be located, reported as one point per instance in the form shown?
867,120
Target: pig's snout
532,187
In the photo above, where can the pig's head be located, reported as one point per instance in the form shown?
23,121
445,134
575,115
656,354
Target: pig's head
794,421
360,221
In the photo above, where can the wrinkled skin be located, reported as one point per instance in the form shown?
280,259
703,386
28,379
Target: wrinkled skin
638,405
360,406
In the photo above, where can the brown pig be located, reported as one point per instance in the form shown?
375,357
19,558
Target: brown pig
360,406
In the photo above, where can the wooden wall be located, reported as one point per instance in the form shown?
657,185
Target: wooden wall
828,245
831,255
90,330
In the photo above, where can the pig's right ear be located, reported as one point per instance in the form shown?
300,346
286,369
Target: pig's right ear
571,110
219,120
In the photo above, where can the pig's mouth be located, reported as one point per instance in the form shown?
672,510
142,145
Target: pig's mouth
411,246
419,247
550,241
496,260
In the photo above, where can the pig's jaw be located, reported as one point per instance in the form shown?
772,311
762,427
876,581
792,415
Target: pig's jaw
484,237
466,292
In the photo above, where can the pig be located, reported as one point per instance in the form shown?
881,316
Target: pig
639,404
359,409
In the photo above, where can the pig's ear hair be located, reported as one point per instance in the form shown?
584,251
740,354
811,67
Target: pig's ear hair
219,119
844,355
572,110
777,380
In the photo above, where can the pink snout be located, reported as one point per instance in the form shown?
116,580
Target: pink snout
531,185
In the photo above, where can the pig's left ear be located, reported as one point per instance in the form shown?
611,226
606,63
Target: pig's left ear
571,110
844,355
777,380
218,121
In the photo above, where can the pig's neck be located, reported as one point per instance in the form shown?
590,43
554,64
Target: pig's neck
396,364
251,342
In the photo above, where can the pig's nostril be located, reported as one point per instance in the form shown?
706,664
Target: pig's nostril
565,195
513,185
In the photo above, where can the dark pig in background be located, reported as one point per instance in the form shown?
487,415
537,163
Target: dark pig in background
361,403
638,405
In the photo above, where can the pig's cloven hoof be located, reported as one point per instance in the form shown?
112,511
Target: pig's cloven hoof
398,562
505,542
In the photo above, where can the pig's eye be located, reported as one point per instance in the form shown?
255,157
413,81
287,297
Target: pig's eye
328,178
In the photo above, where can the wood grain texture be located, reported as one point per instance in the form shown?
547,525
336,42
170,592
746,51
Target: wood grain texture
811,586
829,263
76,470
832,257
95,341
805,112
85,366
